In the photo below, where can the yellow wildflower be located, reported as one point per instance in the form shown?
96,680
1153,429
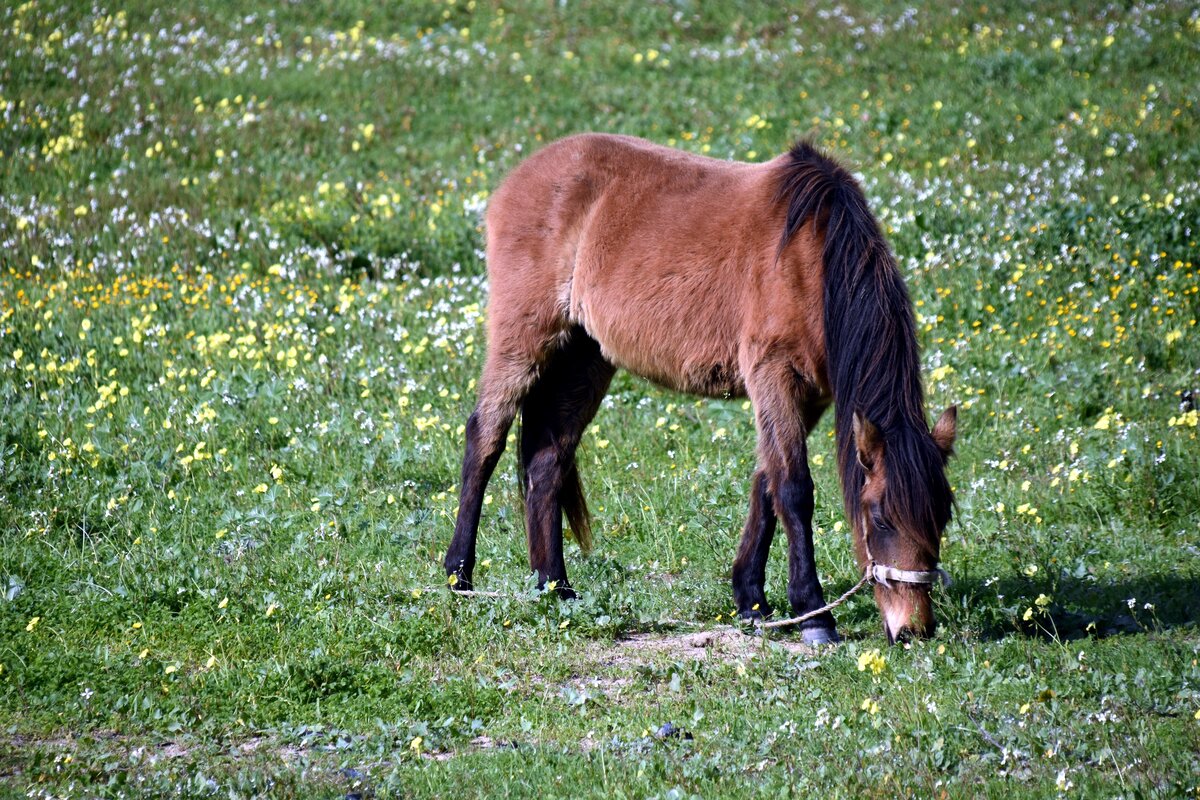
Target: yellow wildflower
873,661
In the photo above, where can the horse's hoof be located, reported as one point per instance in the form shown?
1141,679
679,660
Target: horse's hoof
820,636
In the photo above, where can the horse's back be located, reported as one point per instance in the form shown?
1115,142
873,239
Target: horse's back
548,195
659,254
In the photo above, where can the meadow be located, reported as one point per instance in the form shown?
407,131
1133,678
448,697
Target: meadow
242,299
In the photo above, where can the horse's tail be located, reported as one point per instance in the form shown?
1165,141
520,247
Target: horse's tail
570,497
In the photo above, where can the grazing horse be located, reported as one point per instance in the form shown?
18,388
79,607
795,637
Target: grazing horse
723,279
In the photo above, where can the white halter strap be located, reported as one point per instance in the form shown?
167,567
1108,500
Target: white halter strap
883,574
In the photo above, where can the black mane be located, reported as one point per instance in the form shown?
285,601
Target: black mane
871,343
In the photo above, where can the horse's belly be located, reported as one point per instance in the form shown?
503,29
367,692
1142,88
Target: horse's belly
664,333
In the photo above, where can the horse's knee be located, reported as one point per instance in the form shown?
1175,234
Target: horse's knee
795,494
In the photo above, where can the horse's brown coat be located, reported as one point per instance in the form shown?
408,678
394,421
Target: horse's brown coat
582,230
608,251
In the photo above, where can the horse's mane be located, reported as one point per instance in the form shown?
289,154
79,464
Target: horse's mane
870,341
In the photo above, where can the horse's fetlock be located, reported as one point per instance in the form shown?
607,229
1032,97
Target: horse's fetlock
749,598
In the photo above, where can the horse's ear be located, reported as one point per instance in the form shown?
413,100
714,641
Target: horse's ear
868,442
944,431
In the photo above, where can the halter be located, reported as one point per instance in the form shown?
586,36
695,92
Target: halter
874,573
884,574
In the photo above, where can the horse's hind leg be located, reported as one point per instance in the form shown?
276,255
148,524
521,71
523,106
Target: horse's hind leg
553,418
750,565
508,375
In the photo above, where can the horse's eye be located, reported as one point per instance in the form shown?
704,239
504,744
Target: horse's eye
879,522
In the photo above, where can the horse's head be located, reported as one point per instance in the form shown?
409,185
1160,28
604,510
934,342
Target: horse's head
903,507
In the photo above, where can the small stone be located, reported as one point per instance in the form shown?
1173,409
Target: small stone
670,731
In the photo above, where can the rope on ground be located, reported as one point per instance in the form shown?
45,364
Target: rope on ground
477,593
781,623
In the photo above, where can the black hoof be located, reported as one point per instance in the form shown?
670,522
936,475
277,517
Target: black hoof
820,636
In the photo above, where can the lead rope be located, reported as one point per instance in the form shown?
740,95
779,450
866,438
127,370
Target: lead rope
867,577
781,623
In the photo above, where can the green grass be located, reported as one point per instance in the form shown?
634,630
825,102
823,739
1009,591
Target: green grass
241,304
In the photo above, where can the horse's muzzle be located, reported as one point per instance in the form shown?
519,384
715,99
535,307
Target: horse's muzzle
907,611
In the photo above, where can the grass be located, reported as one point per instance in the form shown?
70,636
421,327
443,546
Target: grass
241,298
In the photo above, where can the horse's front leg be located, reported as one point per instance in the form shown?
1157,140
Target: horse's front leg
783,416
794,504
750,565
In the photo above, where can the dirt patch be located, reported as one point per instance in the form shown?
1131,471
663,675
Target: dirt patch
720,644
173,750
138,750
602,684
251,745
478,743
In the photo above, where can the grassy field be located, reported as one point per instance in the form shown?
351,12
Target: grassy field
241,304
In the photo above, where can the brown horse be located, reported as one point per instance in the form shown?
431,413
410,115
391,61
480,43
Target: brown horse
723,279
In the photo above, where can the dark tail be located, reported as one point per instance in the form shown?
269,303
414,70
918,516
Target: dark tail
870,334
570,496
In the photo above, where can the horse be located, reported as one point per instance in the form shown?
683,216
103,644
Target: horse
719,278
